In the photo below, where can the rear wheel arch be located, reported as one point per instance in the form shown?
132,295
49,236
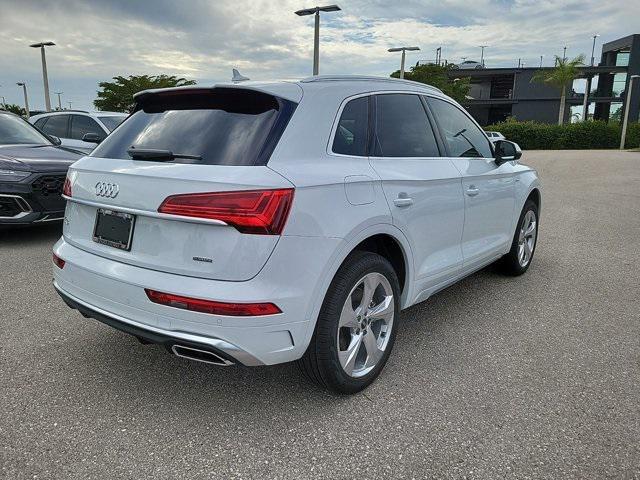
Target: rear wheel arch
390,248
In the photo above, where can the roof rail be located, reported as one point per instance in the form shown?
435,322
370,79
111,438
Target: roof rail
370,78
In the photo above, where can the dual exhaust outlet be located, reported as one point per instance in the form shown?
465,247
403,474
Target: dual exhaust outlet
198,355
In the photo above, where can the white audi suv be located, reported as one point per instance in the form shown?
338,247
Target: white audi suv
260,223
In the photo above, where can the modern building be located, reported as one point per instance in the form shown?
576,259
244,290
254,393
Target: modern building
499,93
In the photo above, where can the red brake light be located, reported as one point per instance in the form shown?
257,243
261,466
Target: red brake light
262,212
209,306
58,262
66,189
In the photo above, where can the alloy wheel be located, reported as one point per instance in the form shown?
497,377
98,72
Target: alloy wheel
365,324
527,238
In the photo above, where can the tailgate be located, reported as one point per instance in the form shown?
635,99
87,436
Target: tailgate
195,247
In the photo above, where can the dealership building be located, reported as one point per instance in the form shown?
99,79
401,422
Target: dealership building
599,91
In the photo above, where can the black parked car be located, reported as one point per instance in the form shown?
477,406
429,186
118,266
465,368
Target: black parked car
33,167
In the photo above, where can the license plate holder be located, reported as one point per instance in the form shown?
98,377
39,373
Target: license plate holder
114,229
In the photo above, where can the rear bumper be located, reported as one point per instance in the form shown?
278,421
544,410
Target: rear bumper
169,339
114,293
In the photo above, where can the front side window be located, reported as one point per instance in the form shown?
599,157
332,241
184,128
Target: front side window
403,128
56,125
352,133
112,121
81,125
462,135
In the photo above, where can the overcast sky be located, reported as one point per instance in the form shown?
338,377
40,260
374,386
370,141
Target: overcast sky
204,39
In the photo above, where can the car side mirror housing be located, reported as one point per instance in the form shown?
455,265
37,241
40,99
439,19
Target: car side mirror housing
506,151
91,138
55,140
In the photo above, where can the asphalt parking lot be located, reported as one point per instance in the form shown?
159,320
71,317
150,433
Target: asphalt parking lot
533,377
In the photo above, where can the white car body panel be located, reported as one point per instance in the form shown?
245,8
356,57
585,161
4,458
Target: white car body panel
339,202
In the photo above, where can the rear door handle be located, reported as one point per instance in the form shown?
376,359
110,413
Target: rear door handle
403,202
472,191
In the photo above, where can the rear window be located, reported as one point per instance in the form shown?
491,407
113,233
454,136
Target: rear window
222,126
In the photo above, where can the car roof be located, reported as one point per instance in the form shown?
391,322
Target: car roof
97,113
294,90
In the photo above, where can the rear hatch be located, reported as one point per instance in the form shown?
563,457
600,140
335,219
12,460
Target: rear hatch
182,186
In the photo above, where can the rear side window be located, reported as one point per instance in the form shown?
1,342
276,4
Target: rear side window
81,125
352,132
461,134
222,126
40,122
403,128
56,125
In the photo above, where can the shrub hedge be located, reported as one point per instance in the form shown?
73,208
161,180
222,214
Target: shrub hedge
582,135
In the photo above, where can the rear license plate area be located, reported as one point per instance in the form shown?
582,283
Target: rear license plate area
114,229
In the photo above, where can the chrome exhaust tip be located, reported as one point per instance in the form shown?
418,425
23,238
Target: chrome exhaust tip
199,355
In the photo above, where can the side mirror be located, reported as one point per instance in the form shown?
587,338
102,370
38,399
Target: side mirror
506,151
55,140
91,138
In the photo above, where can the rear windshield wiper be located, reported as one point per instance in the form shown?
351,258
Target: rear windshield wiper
158,155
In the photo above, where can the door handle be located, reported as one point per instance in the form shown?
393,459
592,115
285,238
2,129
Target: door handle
403,202
472,191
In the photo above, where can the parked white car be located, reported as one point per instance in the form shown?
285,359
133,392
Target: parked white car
260,223
495,136
78,129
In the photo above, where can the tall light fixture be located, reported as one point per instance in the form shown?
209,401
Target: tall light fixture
403,50
26,99
482,54
593,49
316,33
45,78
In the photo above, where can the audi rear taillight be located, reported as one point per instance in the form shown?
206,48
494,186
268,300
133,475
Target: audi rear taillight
262,212
66,188
212,307
58,262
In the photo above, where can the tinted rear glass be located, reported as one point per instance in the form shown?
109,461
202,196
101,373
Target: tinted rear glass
222,126
112,121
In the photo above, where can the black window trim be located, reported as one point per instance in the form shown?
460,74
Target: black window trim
441,134
373,123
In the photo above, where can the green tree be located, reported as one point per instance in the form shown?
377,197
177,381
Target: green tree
436,76
117,96
13,108
560,76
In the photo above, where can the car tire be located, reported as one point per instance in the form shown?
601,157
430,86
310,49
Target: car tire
525,239
351,343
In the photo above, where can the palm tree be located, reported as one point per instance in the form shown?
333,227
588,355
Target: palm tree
560,76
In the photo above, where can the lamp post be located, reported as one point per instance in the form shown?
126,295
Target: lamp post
564,54
59,101
316,32
627,102
45,78
541,57
593,49
482,54
26,99
403,50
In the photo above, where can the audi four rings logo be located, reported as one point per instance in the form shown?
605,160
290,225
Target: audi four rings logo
109,190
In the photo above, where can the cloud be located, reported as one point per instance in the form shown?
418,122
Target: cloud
204,39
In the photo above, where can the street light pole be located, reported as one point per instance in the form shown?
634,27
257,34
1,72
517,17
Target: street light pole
45,78
26,99
627,102
316,32
564,54
403,50
482,54
59,101
593,49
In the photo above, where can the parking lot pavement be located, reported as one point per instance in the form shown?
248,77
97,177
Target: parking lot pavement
532,377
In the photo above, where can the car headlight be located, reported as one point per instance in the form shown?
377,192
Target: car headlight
12,175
